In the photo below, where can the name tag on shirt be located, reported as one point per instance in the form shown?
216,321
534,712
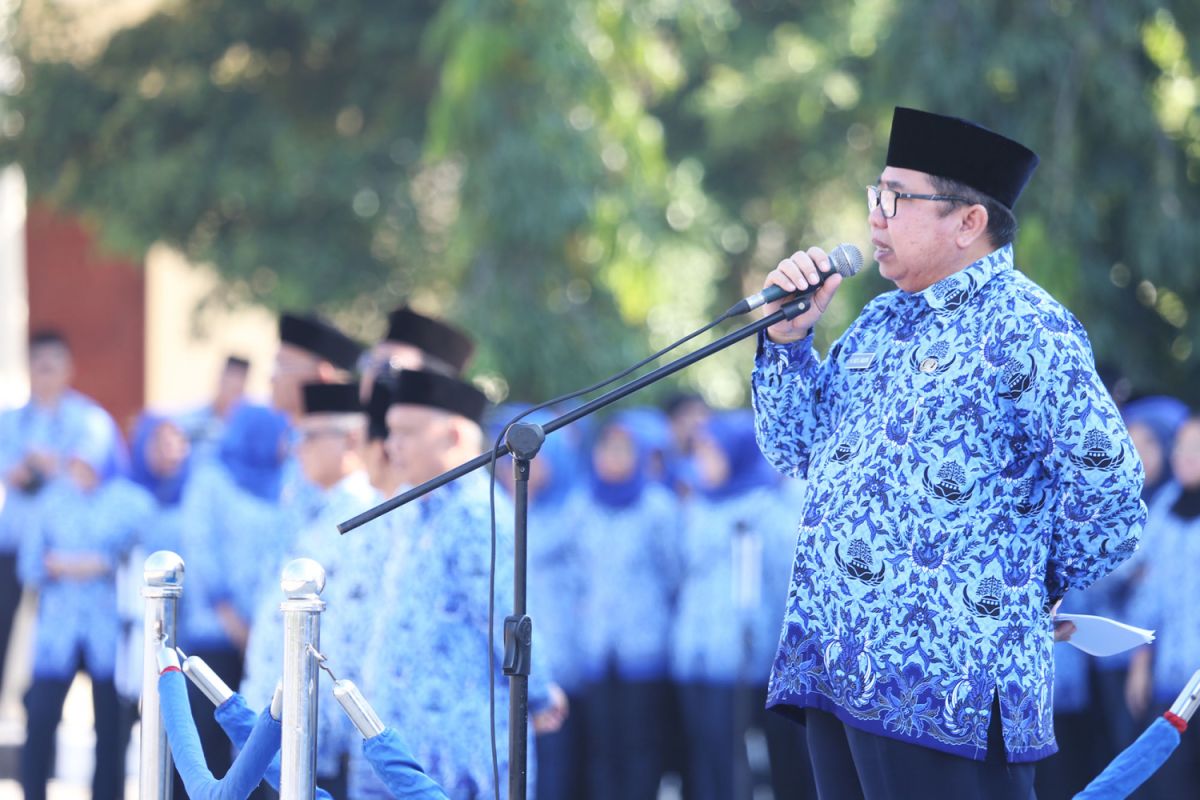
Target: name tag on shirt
860,360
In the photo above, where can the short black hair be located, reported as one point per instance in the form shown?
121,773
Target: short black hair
1002,224
48,337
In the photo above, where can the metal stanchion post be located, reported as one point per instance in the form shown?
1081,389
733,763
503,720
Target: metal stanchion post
163,575
302,582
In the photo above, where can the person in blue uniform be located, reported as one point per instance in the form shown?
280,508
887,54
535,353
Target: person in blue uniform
965,470
205,426
1163,603
329,438
627,525
232,527
35,441
426,670
88,520
737,548
159,462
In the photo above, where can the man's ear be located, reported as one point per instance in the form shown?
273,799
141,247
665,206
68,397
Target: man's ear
973,225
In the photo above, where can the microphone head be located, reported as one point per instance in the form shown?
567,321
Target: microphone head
846,260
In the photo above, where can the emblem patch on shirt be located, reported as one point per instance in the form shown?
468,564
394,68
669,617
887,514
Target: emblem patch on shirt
929,365
860,360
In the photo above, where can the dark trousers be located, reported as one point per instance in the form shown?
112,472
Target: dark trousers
218,752
715,751
44,706
562,756
1082,740
787,750
10,598
849,764
625,723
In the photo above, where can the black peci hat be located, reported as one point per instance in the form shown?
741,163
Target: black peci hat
422,388
319,337
438,339
954,148
331,398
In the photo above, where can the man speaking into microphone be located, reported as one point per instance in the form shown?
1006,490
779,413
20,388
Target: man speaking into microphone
965,469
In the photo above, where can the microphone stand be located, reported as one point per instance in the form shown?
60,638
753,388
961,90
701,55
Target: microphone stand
522,441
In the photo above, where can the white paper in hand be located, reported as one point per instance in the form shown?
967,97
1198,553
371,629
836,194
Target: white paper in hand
1101,636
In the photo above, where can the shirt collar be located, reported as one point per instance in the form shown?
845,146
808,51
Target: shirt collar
952,292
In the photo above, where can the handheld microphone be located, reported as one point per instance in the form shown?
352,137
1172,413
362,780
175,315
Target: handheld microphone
845,260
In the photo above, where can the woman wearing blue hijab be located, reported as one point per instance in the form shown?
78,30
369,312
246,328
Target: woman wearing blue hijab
159,454
231,538
737,559
626,524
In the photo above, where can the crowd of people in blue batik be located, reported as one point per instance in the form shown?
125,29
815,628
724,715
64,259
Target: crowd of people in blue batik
661,552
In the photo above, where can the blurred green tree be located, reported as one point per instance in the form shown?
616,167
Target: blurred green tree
580,180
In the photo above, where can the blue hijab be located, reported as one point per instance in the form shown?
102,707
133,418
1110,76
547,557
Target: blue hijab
733,434
252,450
168,490
1163,416
650,433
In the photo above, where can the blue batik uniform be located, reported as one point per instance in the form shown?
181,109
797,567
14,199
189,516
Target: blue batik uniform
352,571
58,430
966,468
79,617
231,540
1163,601
424,671
708,636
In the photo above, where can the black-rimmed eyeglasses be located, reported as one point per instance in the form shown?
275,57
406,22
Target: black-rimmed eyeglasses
886,199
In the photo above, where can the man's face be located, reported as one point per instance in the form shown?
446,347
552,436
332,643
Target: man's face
418,439
915,248
50,371
322,447
293,368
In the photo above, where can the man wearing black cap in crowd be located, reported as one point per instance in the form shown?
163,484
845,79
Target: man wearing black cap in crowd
965,468
329,439
311,350
424,669
416,342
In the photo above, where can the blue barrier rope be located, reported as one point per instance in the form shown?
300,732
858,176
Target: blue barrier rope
399,771
237,720
1135,764
261,746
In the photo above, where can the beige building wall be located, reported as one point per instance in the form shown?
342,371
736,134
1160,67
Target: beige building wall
186,346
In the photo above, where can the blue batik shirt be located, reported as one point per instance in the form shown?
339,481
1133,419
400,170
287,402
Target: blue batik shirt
352,567
735,557
231,543
631,561
426,670
58,430
79,617
966,468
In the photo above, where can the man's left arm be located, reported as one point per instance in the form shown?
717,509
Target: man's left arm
1094,473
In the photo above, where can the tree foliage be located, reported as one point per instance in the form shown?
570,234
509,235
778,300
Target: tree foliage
578,181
